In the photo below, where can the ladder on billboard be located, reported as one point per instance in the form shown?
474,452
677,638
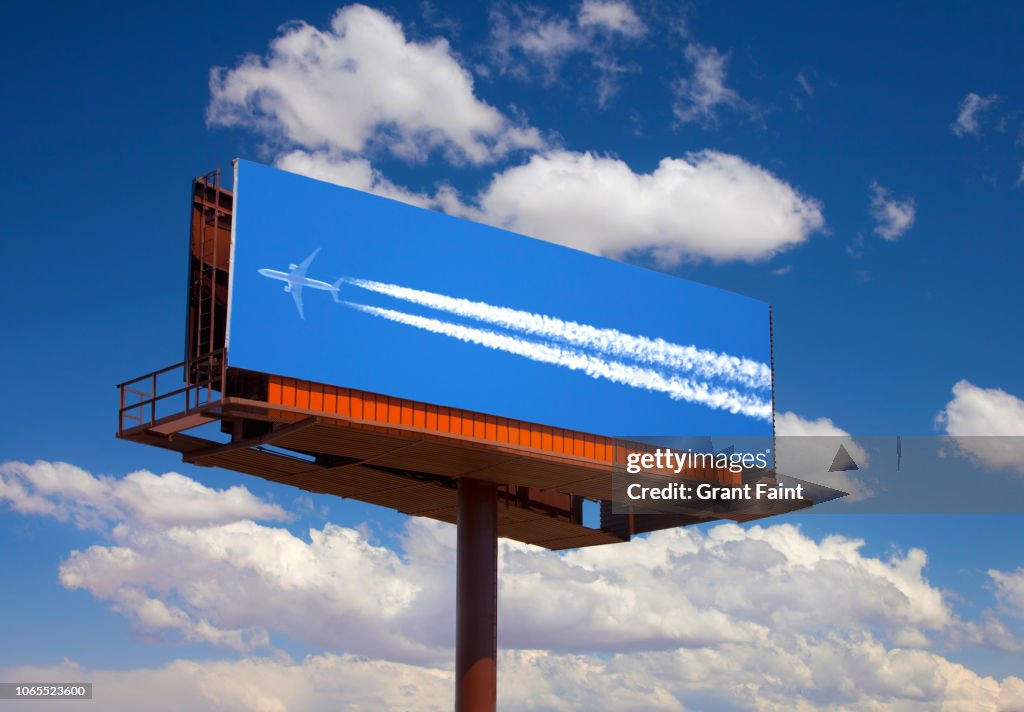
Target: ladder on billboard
206,276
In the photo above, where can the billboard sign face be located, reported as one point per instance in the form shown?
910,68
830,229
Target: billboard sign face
342,287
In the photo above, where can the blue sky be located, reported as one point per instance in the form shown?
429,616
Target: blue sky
860,169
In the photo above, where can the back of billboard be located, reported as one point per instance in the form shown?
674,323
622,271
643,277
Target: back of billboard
337,286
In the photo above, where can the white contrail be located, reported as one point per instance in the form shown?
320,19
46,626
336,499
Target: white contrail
702,362
617,372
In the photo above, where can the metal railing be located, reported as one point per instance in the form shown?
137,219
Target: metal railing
144,400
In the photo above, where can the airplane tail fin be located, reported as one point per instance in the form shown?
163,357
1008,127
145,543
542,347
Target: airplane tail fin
336,289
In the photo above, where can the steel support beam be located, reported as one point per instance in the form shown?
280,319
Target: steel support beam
476,598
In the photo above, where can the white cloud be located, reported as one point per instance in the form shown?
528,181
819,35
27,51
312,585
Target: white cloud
699,96
317,684
707,205
549,38
722,618
69,493
612,16
359,84
894,217
352,172
987,424
839,675
535,35
525,39
610,73
806,449
756,586
1009,589
972,114
982,411
235,583
324,97
232,584
804,677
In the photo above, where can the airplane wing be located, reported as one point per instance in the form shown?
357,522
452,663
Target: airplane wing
300,270
296,293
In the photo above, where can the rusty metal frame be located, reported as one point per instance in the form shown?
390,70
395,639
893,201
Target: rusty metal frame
139,397
212,211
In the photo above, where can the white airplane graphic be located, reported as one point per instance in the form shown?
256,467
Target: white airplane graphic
295,279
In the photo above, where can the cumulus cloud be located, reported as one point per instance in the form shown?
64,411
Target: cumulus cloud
325,98
699,96
352,172
806,449
236,583
318,683
845,676
986,424
1009,589
972,113
232,584
706,205
767,609
894,217
730,585
361,84
982,411
69,493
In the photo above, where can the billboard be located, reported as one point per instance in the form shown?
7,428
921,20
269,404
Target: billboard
342,287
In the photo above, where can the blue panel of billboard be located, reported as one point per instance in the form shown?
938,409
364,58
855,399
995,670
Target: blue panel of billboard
338,286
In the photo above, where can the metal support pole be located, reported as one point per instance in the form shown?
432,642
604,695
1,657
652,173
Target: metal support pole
476,598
